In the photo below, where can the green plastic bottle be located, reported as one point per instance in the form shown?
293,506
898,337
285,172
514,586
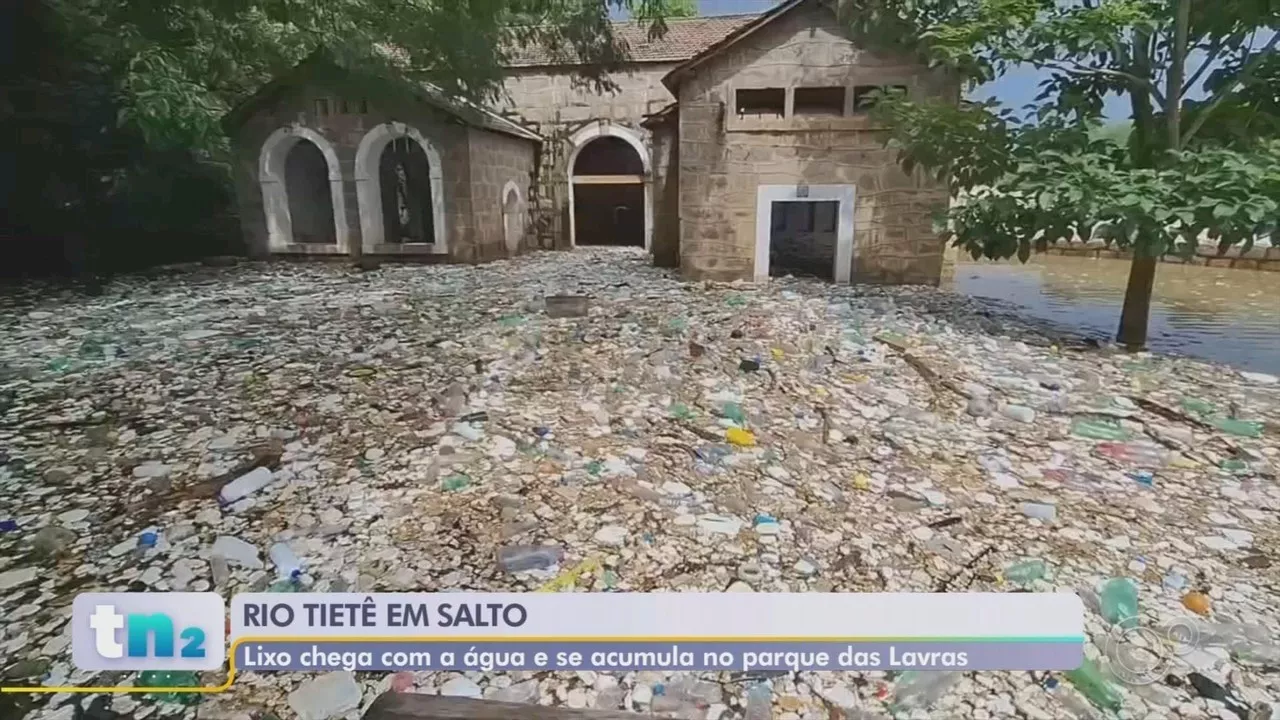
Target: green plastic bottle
1026,572
1119,600
1094,685
168,679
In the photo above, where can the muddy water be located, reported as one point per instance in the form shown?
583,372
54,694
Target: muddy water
1216,314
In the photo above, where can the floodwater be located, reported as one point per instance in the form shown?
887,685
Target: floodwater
1216,314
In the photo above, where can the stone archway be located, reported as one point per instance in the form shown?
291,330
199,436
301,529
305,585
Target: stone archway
513,224
369,191
640,182
273,177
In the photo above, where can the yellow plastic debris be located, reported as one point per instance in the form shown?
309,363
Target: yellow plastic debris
777,353
740,437
862,482
569,578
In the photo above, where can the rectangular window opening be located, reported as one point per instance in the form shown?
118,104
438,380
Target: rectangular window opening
865,96
364,106
821,101
762,102
344,108
322,107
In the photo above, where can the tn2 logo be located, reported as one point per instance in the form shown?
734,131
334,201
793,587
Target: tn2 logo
139,629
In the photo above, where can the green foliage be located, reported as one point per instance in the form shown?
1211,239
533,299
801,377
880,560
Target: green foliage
114,106
1211,167
661,9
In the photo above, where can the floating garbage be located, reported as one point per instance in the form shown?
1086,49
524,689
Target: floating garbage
431,429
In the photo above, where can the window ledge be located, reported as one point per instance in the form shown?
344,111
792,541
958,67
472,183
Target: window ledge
310,249
408,249
801,124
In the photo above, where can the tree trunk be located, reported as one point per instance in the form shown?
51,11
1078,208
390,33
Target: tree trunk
1137,301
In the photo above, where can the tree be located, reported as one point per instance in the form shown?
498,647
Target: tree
668,9
1202,81
113,106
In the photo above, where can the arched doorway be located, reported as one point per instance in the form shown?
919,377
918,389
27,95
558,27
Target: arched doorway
400,191
302,196
512,217
610,202
306,179
404,173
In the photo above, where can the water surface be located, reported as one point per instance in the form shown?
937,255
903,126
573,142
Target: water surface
1217,314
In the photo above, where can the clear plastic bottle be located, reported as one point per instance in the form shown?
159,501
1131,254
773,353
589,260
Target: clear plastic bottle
920,689
760,702
219,570
517,558
288,564
245,485
1077,706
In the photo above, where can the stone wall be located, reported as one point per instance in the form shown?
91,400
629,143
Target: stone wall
548,101
666,193
724,158
496,159
473,162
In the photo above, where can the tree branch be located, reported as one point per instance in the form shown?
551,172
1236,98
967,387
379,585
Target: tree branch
1214,52
1228,89
1177,73
1130,79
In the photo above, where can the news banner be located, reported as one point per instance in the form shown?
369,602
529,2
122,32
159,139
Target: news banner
313,632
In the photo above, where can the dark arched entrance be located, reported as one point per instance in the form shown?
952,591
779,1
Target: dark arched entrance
306,178
608,194
405,178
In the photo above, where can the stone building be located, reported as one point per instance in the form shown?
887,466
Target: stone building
596,170
731,147
756,151
330,161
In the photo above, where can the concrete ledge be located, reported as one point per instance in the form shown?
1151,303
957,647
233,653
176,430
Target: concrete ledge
405,249
309,249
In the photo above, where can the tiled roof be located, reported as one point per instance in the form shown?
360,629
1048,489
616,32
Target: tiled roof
685,38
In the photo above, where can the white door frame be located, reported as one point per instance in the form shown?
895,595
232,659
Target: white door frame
369,190
604,128
275,191
767,195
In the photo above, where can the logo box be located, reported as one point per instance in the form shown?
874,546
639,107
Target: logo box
148,631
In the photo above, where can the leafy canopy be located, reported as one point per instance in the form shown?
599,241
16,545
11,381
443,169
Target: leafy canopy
181,64
1202,81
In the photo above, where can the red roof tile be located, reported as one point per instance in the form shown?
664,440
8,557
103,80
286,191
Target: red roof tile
685,38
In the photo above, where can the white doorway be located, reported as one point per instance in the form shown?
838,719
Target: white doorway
781,211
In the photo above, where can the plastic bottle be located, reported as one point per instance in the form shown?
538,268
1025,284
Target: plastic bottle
1141,454
1026,572
288,565
920,689
518,558
219,570
245,485
760,702
1119,602
1040,511
1094,685
1074,704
